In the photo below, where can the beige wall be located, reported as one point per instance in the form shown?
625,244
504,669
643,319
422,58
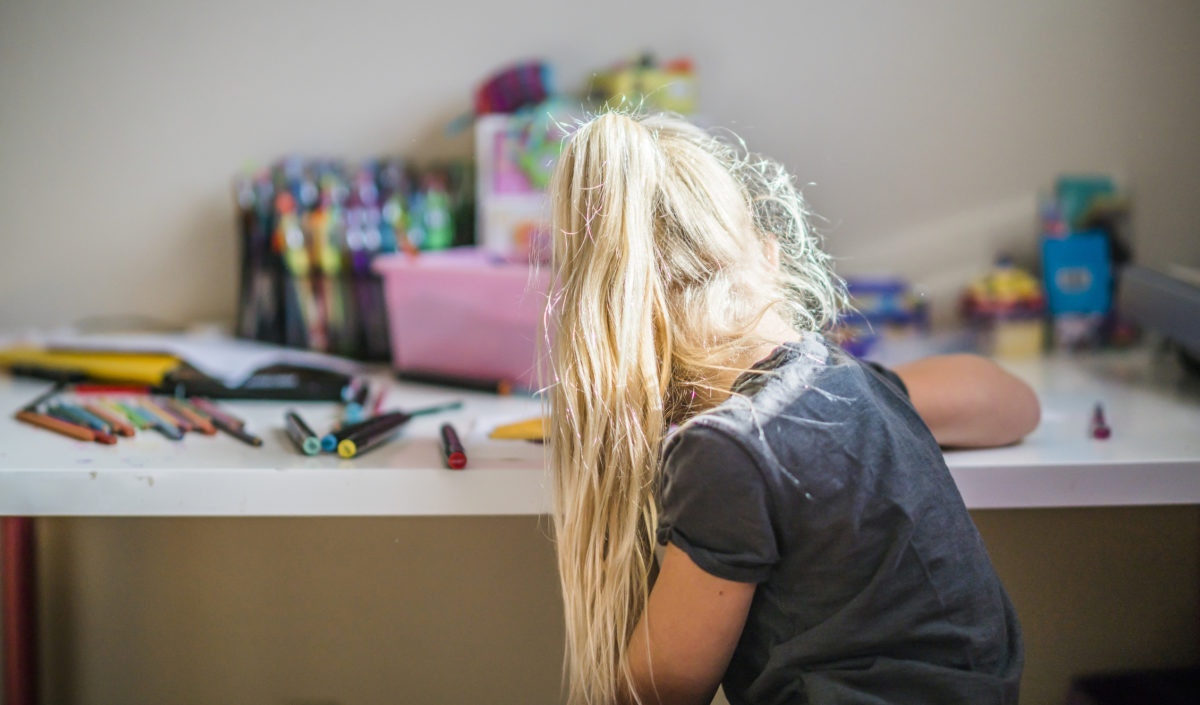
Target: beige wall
467,610
927,127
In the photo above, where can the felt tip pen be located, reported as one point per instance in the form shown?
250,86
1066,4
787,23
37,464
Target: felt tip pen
361,443
330,441
1099,428
372,435
356,408
304,438
452,449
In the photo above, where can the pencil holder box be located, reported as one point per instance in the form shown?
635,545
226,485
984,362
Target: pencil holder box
464,315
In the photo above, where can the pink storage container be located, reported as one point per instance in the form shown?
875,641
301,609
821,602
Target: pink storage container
465,314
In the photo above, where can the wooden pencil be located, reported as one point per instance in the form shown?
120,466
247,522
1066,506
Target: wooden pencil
57,425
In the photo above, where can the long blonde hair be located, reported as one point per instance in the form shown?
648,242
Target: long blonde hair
669,246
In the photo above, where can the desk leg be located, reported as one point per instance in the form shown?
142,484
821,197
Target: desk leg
20,626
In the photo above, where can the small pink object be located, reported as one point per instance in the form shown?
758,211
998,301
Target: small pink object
1099,429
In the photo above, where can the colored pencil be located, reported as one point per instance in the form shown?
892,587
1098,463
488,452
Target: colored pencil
118,425
137,419
238,432
75,414
214,412
155,407
151,420
51,423
199,422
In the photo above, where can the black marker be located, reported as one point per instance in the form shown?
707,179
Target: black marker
330,441
372,435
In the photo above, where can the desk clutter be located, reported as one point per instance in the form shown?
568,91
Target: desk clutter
345,258
107,388
106,413
102,413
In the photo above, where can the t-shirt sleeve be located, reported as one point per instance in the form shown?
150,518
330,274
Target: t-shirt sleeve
716,508
891,377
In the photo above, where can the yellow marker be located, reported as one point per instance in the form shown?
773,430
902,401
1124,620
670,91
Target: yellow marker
347,448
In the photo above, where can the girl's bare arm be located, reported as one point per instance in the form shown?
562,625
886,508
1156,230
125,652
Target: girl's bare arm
969,401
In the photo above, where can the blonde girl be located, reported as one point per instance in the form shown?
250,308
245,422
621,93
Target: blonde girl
738,500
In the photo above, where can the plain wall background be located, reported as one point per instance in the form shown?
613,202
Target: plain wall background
927,127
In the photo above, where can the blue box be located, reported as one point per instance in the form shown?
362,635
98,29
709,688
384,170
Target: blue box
1077,273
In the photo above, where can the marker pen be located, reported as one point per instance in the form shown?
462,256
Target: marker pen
372,435
330,441
452,449
306,441
1099,428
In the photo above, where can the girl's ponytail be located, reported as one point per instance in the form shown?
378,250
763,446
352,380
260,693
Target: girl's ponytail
610,377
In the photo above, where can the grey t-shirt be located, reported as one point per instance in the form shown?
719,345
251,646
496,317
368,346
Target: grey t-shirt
818,481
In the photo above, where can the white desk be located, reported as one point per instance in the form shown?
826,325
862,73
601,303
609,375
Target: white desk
1153,456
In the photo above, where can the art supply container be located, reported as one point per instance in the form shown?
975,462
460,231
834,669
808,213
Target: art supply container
464,314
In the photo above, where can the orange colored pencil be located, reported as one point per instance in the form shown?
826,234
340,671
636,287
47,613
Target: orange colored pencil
57,425
118,424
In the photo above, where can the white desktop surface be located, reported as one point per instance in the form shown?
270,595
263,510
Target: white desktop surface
45,474
1153,456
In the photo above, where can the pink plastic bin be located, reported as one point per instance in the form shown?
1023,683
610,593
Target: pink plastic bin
465,314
